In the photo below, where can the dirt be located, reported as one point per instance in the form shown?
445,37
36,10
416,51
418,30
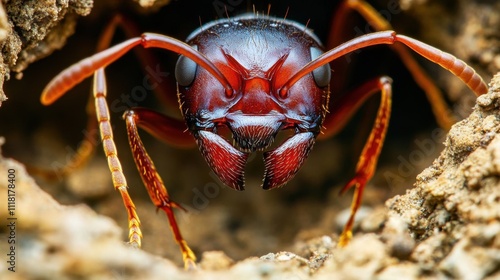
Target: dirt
33,30
445,226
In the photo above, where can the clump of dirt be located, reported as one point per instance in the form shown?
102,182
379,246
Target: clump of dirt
448,225
454,210
32,30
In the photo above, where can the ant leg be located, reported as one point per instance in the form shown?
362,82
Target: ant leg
167,129
147,170
152,180
171,131
119,180
441,110
369,156
348,104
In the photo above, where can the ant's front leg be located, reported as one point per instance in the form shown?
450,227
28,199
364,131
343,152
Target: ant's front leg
368,159
147,119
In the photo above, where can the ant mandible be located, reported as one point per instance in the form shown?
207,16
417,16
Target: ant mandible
254,75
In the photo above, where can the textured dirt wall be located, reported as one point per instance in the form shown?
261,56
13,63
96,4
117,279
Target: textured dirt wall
32,30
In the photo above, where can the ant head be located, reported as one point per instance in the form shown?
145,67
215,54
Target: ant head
257,56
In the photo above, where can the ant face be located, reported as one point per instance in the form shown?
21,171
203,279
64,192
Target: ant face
257,55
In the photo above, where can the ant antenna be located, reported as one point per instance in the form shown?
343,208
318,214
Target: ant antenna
227,13
286,13
306,26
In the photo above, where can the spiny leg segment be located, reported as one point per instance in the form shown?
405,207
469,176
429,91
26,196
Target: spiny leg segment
154,184
369,156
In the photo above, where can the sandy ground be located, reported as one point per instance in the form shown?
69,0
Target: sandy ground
445,226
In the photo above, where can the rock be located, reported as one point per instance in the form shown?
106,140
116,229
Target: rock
34,30
63,242
454,209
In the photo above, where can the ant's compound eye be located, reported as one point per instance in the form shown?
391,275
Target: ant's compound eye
323,73
185,70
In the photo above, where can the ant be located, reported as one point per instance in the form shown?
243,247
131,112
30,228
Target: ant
252,76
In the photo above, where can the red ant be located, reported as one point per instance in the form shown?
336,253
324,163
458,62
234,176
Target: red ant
253,76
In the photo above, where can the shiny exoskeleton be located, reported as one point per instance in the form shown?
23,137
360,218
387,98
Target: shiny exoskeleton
257,56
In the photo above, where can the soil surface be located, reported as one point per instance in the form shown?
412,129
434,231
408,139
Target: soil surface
443,225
